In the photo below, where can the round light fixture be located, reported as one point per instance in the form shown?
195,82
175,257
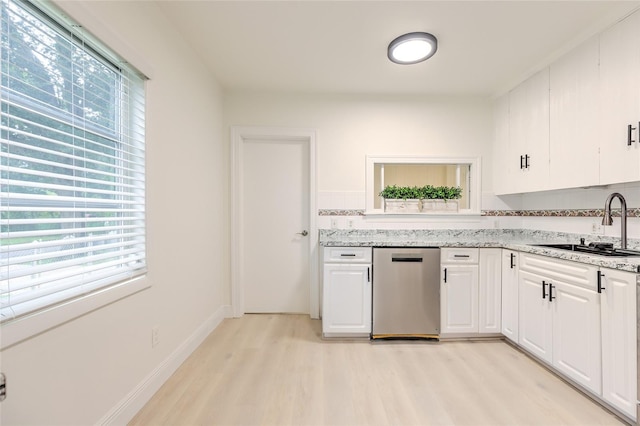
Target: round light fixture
412,48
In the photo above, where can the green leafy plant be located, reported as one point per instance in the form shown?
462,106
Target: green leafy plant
429,192
394,192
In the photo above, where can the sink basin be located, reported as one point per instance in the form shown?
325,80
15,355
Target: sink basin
597,249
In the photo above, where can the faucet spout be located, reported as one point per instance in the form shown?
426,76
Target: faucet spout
607,220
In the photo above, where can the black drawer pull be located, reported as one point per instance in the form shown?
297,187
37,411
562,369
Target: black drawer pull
348,255
461,255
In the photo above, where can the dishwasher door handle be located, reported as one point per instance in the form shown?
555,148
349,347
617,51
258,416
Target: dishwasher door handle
406,258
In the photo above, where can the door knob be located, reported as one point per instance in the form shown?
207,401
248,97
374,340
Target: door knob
303,233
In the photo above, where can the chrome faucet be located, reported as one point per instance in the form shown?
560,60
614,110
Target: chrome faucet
607,220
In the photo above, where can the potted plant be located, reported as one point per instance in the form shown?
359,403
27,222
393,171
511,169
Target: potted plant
440,198
401,199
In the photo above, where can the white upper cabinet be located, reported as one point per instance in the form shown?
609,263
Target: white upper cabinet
502,167
528,149
574,121
620,102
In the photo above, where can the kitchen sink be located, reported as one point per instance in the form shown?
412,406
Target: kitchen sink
600,249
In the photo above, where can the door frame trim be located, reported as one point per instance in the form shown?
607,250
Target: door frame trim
239,134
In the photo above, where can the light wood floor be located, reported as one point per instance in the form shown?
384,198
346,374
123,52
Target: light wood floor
276,370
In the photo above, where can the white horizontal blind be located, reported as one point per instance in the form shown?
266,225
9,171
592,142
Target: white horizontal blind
72,164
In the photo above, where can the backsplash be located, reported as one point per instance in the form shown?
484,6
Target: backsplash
631,212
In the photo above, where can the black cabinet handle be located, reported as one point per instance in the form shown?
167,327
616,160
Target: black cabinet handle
513,256
544,290
445,275
551,292
526,161
521,162
368,276
460,255
600,288
630,130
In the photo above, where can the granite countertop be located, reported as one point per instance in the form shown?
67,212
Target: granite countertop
515,239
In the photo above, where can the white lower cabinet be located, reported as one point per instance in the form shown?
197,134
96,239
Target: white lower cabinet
490,290
619,350
535,322
576,333
560,317
459,299
470,291
346,301
509,303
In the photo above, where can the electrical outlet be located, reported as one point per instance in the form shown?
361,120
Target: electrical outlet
155,336
596,228
350,223
334,223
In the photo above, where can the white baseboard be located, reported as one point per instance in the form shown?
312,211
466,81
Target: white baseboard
129,406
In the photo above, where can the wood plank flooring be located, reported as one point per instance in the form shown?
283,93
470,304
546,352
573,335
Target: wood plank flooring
276,370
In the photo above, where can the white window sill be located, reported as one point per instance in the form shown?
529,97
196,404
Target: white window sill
22,328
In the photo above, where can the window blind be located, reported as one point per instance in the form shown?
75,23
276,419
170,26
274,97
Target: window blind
72,163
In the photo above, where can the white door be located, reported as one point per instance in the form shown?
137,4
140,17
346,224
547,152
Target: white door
273,256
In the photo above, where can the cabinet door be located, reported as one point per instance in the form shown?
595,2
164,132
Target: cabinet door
535,321
346,299
529,132
576,334
574,122
459,299
510,295
619,351
489,290
620,101
503,166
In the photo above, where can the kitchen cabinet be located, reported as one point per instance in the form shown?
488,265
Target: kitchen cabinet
620,102
509,278
528,149
489,290
560,317
535,326
521,144
470,291
502,166
619,351
574,118
346,301
459,291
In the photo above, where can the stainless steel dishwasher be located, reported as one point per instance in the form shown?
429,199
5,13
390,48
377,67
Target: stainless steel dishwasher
406,293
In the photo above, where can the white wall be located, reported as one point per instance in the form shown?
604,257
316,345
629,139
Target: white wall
351,127
78,372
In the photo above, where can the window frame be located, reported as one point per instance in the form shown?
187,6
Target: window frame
475,187
124,282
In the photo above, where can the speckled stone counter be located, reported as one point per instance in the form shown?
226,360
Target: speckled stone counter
514,239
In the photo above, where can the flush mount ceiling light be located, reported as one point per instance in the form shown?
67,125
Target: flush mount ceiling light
412,48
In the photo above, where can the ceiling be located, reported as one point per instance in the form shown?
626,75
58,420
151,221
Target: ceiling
485,47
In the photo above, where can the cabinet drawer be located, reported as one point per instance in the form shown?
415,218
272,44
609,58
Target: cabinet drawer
347,254
459,255
580,274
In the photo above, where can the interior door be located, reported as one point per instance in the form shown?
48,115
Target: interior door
274,223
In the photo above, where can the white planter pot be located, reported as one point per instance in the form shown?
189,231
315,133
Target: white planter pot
439,206
401,206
